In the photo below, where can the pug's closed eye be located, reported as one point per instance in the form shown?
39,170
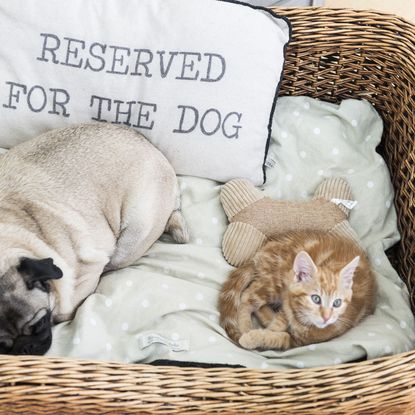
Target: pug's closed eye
42,286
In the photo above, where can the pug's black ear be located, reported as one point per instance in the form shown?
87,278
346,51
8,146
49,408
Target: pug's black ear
39,270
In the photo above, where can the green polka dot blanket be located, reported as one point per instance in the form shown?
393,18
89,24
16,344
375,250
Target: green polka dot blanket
165,306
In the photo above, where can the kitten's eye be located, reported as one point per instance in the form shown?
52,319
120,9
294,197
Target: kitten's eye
337,303
316,299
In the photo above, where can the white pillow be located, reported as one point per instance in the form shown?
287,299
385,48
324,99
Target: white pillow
198,77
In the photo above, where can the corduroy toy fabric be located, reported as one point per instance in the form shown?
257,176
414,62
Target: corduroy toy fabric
254,218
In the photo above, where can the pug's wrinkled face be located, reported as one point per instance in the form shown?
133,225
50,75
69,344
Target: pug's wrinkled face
25,310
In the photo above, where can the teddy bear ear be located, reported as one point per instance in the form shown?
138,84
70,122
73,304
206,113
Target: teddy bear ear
238,194
335,188
240,243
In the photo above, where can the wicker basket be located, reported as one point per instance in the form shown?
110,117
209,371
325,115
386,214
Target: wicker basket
335,54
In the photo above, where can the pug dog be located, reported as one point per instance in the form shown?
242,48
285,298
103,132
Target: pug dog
75,202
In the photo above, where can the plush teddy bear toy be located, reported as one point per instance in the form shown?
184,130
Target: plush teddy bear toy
254,218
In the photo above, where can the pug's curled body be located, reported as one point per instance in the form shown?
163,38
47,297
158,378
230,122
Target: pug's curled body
75,202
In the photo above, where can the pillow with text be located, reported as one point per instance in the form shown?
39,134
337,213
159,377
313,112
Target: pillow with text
199,78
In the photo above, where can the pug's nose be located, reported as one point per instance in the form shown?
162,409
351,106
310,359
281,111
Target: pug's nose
27,349
33,345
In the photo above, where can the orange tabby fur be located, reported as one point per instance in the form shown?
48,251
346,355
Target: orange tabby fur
281,297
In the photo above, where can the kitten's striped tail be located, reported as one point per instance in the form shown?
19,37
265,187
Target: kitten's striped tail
230,299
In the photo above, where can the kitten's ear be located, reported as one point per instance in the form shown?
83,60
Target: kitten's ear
347,273
304,267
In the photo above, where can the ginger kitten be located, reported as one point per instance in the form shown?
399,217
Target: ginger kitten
304,287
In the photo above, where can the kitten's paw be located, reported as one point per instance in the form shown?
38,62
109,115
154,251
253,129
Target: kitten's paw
281,341
251,340
265,339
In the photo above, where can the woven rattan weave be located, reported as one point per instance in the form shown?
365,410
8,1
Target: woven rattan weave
335,54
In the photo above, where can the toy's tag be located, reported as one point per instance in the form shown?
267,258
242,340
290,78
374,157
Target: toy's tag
270,162
349,204
174,345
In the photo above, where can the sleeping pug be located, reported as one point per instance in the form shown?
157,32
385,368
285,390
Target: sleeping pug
75,202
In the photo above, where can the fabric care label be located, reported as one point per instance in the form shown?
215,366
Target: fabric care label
188,74
179,345
349,204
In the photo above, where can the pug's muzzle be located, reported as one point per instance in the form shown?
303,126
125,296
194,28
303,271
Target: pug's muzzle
38,342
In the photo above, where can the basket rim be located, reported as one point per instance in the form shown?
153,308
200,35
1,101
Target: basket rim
17,361
327,11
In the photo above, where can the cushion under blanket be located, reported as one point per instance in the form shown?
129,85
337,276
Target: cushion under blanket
165,306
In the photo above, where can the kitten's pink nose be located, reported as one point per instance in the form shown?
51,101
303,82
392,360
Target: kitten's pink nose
326,314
